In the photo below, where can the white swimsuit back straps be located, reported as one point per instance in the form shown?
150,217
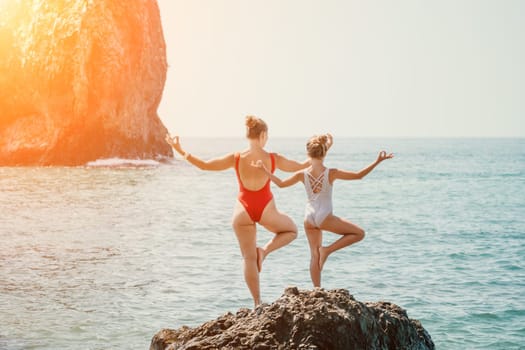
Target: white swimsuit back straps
319,204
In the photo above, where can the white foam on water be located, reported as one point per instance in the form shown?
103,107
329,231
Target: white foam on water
122,162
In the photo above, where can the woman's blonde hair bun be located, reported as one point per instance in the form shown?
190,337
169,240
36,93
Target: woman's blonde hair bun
317,147
322,139
254,127
251,121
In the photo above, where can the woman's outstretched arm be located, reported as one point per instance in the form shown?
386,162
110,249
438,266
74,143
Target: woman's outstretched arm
288,165
215,164
292,180
349,175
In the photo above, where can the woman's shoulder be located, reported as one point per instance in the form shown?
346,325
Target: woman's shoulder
278,157
304,172
332,173
247,153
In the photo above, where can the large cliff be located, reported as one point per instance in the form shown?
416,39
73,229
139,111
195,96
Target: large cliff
319,319
80,80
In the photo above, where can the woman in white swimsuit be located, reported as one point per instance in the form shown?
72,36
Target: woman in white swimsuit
318,181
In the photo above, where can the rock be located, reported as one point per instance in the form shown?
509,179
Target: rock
318,319
80,80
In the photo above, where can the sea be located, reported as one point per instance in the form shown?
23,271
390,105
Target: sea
102,256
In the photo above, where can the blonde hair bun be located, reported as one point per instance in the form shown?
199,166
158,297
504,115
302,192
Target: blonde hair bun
322,139
317,147
254,127
251,121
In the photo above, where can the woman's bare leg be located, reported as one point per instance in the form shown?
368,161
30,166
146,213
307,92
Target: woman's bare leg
315,240
351,234
282,225
245,231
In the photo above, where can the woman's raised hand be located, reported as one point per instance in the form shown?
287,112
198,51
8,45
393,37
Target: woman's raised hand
174,142
383,155
257,164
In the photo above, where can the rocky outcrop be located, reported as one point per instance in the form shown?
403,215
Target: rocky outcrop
318,319
80,80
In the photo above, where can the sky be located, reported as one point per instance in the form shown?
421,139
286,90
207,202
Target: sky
378,68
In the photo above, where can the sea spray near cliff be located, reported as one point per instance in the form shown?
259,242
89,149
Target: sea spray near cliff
80,80
123,163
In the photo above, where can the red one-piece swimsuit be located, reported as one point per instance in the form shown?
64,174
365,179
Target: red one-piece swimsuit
254,202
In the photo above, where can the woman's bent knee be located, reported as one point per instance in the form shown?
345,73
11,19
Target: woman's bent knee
291,230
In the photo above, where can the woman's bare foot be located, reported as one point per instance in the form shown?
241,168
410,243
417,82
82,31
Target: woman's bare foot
260,258
256,303
323,255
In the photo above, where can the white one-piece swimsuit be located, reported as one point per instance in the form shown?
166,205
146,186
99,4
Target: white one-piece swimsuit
319,204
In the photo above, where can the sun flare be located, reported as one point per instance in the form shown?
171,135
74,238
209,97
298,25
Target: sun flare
71,71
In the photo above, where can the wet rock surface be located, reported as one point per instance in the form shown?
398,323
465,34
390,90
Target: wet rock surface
312,319
80,80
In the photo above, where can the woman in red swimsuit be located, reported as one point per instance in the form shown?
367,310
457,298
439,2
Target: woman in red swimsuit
255,202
